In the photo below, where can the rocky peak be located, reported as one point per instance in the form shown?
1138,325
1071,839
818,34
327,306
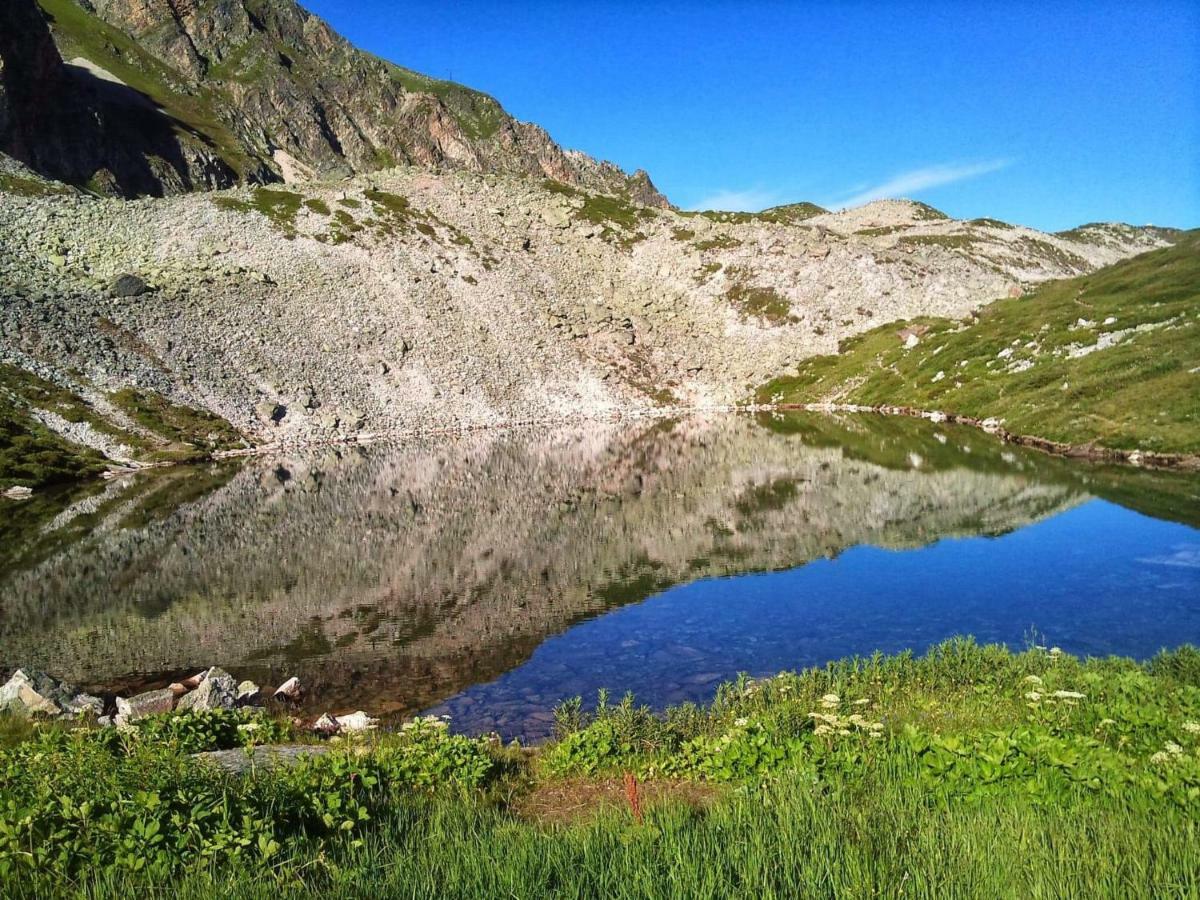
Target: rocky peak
262,90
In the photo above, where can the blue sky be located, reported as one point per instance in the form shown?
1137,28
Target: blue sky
1050,114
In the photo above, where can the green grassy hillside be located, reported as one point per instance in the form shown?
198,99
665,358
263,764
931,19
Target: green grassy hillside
1111,358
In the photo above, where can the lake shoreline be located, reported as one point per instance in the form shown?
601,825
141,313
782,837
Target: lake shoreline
1145,459
1136,458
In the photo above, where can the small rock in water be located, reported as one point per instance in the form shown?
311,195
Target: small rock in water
140,706
217,690
289,690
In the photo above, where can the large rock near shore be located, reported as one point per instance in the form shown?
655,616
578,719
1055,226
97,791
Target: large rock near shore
217,690
32,693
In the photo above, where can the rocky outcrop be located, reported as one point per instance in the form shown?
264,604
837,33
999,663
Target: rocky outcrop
68,123
174,95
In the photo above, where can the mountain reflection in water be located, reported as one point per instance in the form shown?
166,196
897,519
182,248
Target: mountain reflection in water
394,578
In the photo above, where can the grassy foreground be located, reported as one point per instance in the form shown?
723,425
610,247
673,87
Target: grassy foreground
1111,358
970,772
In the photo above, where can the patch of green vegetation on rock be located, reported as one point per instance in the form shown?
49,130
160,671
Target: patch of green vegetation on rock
757,302
949,241
30,187
925,212
682,234
350,202
31,455
1053,253
317,205
991,223
788,214
717,242
190,433
880,231
1111,358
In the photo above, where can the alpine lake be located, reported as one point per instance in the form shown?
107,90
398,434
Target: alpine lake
492,575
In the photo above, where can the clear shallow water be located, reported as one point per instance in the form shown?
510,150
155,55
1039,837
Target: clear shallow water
1094,580
493,575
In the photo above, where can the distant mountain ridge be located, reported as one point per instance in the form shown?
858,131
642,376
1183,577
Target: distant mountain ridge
181,95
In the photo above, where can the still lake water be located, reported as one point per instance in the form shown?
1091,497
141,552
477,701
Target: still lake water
492,575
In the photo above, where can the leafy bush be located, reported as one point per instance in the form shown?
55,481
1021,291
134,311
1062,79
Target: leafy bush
103,800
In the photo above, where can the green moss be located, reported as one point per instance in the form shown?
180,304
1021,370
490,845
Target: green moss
350,203
320,207
1014,362
30,187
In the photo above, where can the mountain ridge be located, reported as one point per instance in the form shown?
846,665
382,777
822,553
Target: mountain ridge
210,94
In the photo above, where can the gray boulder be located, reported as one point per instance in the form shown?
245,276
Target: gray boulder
30,693
139,706
217,690
128,286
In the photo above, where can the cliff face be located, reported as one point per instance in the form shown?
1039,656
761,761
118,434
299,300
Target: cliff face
194,95
71,123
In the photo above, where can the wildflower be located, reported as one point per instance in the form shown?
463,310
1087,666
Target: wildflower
822,729
1055,652
741,722
1174,749
1034,696
1160,758
864,701
831,701
876,728
857,720
1033,679
1191,727
1069,695
1106,722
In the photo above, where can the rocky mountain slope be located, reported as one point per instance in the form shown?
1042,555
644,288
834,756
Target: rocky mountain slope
135,97
1112,357
410,300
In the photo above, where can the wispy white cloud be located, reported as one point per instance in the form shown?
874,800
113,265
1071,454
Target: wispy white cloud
907,183
750,200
